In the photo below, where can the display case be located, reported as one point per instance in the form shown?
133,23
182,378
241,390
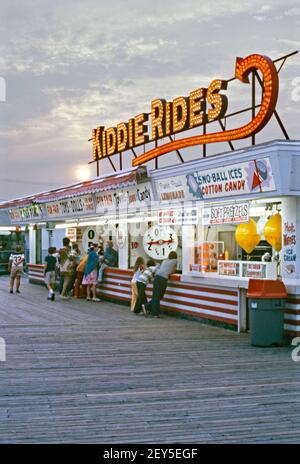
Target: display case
207,255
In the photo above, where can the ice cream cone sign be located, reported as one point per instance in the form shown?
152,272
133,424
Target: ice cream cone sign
246,236
273,231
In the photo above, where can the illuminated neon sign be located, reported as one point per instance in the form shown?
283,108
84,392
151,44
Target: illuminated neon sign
203,105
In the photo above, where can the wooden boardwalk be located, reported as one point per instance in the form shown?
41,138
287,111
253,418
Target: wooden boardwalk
79,372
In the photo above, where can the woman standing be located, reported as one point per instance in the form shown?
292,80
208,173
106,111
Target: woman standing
76,255
91,273
79,276
65,266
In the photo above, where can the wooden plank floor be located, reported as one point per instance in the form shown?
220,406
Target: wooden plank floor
79,372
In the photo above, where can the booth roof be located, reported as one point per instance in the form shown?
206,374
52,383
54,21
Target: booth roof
115,181
18,203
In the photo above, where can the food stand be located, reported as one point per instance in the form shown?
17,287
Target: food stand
230,217
153,212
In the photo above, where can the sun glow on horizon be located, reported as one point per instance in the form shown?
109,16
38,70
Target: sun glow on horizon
82,172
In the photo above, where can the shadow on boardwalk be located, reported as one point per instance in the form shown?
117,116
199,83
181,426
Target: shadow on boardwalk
94,372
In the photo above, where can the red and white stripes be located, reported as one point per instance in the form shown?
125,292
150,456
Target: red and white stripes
202,301
198,300
292,315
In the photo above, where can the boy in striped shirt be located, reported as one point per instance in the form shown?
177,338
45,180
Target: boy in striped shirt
142,281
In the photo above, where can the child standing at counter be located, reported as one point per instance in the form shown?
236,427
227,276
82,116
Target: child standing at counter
142,281
138,268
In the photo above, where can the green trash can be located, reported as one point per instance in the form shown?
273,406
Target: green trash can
266,303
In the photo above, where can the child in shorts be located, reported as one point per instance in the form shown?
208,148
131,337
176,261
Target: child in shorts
50,272
15,266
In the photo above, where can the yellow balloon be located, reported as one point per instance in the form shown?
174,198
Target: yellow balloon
246,236
273,230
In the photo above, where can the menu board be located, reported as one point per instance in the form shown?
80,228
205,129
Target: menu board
229,268
247,269
226,214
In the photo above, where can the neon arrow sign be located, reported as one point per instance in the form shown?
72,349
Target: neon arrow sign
270,94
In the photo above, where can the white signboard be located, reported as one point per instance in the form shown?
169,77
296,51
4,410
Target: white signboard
27,213
76,206
226,214
180,216
253,176
247,269
129,199
229,268
289,249
71,233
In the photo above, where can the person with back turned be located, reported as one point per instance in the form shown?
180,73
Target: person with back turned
167,267
109,259
15,267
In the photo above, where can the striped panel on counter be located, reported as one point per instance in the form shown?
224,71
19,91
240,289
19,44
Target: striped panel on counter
36,273
211,303
292,315
202,301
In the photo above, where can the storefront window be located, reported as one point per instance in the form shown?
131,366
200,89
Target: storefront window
241,239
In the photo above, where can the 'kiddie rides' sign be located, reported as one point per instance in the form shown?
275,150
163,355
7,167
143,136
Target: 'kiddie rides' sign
203,105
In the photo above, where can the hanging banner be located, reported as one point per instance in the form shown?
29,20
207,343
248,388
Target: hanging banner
226,214
253,176
129,199
27,213
71,206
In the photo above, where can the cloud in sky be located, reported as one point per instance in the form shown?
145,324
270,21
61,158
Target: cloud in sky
71,65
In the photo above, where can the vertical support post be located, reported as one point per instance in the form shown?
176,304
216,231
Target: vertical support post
123,244
188,241
253,103
32,245
242,310
204,145
98,167
50,232
156,159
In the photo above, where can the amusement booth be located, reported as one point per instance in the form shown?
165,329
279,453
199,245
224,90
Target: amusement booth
228,209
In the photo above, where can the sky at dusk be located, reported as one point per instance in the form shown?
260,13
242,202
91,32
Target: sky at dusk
72,65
